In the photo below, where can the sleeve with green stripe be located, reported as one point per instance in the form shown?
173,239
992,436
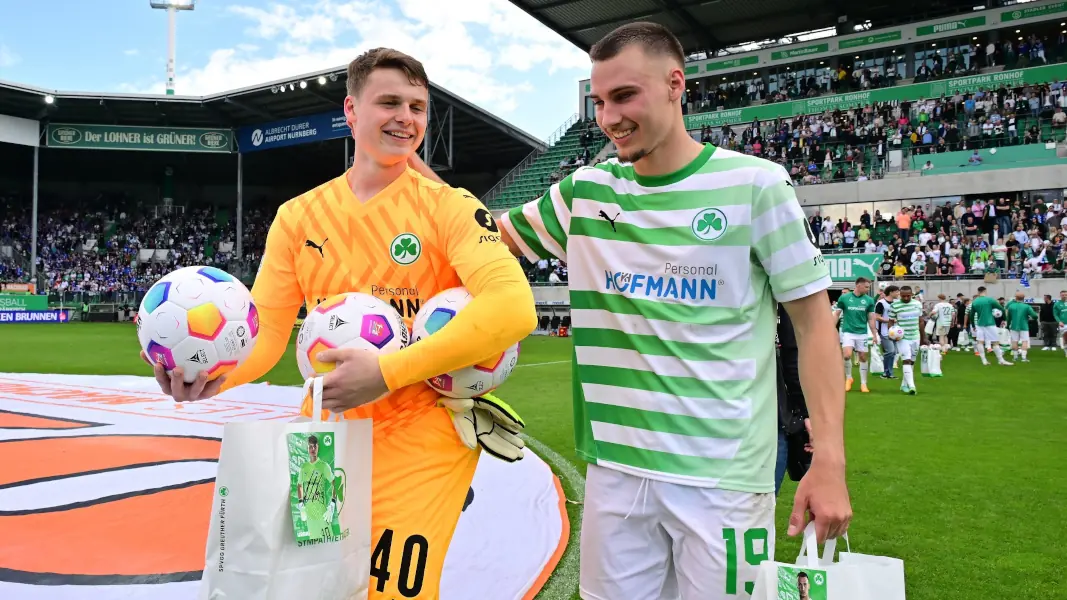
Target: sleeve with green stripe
540,227
782,240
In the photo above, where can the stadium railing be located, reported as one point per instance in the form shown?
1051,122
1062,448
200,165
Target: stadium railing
514,173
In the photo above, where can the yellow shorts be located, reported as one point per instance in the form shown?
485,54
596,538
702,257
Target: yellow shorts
421,476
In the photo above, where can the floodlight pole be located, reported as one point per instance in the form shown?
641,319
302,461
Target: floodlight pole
172,7
172,21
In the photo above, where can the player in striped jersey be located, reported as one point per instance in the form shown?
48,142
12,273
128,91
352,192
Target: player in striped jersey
907,312
676,259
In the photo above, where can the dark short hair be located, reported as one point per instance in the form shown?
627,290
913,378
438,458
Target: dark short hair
313,440
906,287
981,289
652,37
802,574
891,289
860,280
383,58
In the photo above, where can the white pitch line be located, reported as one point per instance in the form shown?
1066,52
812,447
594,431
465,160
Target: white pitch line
564,581
551,362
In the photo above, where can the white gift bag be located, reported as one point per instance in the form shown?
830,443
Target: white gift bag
931,366
876,359
853,577
252,550
923,365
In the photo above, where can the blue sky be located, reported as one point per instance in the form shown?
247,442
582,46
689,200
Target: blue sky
486,51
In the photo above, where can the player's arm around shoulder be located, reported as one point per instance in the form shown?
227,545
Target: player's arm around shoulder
540,228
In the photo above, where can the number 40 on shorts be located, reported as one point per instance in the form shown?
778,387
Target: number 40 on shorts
412,568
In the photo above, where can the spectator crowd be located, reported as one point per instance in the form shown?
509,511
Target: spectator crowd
994,235
96,248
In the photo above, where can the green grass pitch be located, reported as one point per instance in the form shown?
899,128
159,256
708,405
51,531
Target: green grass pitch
965,481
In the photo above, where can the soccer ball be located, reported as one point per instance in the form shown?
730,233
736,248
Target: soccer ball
199,319
468,382
997,314
896,333
350,320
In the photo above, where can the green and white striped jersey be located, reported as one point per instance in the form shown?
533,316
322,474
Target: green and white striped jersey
907,316
673,282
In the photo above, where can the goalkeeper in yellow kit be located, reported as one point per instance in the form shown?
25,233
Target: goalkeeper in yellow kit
396,232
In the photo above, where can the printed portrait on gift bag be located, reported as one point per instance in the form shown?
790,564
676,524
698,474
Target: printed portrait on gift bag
316,489
801,584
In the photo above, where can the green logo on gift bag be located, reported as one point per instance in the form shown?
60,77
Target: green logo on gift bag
313,485
798,583
224,491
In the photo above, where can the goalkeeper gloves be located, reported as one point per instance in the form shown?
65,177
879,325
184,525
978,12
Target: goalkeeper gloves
328,517
488,422
303,511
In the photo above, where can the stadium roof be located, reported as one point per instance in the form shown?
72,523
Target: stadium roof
481,140
710,25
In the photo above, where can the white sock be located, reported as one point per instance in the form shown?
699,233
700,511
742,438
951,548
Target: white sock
907,376
863,373
1024,353
981,353
848,368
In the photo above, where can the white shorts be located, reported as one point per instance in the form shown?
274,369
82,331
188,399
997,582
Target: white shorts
908,349
854,340
644,539
988,334
1020,336
941,330
1063,328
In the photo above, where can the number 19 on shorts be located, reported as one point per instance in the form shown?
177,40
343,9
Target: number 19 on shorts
752,546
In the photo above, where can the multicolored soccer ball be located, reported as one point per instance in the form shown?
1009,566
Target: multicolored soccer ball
896,333
199,319
350,320
468,382
997,313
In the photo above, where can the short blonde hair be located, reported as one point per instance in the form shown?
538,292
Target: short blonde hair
383,58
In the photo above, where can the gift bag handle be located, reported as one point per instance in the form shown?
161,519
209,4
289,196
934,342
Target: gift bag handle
315,385
809,550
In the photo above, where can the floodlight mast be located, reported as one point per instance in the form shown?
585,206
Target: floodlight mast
172,7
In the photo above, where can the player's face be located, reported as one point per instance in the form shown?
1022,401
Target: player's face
313,451
905,296
388,118
862,288
634,94
1063,296
803,586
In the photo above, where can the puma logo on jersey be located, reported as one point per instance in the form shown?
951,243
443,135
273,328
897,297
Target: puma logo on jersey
311,244
610,220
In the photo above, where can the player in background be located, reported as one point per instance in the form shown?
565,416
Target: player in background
856,310
315,490
943,313
1059,311
980,314
1017,317
908,313
882,310
677,253
342,237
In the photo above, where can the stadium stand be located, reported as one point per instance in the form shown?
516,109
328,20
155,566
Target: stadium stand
578,146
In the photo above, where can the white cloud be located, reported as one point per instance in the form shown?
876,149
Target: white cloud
131,52
468,46
8,58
